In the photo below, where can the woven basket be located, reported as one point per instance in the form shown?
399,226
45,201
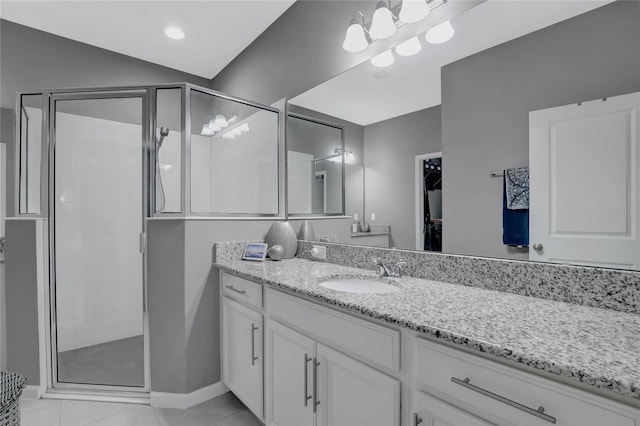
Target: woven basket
11,385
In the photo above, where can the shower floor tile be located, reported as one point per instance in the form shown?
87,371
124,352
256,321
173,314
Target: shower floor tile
119,362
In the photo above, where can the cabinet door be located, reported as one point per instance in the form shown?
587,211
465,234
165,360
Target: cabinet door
352,393
434,412
242,365
290,384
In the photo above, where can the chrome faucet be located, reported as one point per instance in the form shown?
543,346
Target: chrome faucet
390,270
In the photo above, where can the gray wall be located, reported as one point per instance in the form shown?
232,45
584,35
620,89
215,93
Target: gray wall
297,52
390,150
21,297
32,59
184,302
486,99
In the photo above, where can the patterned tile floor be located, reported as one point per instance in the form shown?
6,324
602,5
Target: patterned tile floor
224,410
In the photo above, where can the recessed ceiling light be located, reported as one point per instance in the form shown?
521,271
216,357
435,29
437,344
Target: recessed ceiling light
174,33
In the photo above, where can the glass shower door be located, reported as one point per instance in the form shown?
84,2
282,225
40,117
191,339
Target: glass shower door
97,220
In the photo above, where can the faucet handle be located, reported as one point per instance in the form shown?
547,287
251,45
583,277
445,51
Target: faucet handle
400,265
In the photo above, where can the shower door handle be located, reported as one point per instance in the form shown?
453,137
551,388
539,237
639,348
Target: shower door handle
143,242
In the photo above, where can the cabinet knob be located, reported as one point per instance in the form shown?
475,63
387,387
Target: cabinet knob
538,247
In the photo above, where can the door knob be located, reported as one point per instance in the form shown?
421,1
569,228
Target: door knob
538,247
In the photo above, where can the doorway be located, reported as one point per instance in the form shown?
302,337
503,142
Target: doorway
97,191
428,201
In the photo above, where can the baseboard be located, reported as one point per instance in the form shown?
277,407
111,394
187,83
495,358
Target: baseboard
32,392
186,400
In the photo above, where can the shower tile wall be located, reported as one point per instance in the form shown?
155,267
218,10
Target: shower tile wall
237,175
99,272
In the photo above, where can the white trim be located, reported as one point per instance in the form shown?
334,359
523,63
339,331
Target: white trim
33,392
419,184
186,400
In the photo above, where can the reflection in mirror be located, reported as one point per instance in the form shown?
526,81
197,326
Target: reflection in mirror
474,98
234,157
316,159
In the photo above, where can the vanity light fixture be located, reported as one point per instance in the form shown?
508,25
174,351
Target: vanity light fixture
349,158
174,33
207,130
414,11
384,59
220,121
440,33
385,23
356,38
382,23
409,47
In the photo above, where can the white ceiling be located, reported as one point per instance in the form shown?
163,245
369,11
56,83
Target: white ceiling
216,30
366,94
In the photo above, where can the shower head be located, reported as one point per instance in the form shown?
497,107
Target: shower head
164,131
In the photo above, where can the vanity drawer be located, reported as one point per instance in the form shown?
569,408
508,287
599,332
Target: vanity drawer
363,339
242,290
437,366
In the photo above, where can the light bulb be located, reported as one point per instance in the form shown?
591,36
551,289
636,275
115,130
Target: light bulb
236,132
384,59
174,33
228,135
382,25
206,130
220,121
232,119
244,127
409,47
213,126
355,40
413,10
440,33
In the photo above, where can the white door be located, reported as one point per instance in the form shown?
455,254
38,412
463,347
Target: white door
434,412
242,353
290,377
584,187
352,393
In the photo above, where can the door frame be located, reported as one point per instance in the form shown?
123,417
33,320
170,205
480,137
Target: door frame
147,189
419,190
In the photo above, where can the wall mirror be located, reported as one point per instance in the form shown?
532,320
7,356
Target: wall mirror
480,99
316,167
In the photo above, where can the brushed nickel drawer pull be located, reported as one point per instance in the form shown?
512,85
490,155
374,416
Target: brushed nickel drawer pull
232,288
538,413
315,385
306,379
254,358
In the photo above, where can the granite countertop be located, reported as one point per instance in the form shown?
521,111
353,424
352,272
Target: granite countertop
599,347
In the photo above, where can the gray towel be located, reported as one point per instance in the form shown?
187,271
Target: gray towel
517,188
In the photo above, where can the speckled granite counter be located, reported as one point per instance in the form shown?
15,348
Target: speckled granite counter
599,347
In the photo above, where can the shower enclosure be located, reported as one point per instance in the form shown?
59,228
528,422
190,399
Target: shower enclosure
97,164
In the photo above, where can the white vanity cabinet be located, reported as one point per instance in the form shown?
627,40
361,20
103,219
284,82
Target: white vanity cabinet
323,367
454,387
311,382
241,346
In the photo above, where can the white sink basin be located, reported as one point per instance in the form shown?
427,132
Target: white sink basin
355,285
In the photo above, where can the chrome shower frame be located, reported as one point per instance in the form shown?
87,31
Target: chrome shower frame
147,93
